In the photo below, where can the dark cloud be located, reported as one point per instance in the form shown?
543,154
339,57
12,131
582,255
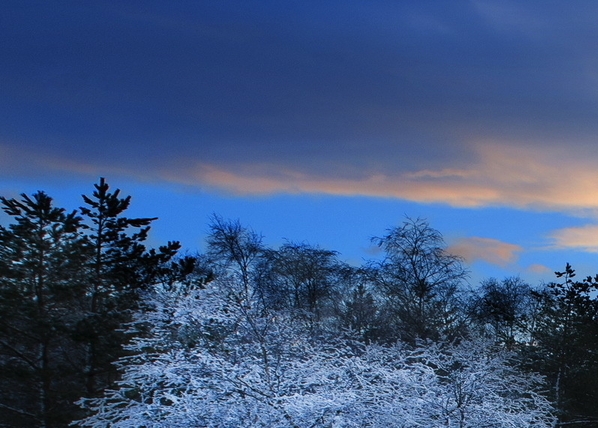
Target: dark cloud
341,88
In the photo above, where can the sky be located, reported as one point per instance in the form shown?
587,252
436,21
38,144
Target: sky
318,122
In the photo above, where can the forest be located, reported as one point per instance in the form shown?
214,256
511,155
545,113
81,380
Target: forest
98,330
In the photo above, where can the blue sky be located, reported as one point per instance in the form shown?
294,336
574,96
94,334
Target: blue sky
324,122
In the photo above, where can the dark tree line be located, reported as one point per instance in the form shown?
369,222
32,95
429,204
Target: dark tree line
71,281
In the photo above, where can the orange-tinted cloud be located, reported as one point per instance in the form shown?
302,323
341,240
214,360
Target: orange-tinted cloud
539,269
502,175
489,250
582,238
264,180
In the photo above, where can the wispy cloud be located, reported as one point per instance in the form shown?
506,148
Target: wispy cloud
502,175
583,238
510,17
489,250
274,179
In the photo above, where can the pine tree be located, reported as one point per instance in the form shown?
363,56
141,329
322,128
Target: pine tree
66,292
40,283
566,345
119,266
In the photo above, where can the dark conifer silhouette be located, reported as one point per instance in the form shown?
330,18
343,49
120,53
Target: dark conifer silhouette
40,284
67,288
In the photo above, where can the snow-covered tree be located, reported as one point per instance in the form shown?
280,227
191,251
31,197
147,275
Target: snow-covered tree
205,358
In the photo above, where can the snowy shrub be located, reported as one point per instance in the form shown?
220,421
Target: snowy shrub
214,358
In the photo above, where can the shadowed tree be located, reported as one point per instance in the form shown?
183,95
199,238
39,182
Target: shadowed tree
358,311
308,277
566,346
235,250
66,291
503,310
419,282
41,283
118,267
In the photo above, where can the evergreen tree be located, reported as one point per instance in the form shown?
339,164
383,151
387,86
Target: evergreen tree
566,346
119,266
67,289
358,311
40,284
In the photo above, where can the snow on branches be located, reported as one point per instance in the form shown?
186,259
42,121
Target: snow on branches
208,358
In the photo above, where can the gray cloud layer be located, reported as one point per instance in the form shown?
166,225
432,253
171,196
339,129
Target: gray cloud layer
335,94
